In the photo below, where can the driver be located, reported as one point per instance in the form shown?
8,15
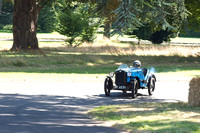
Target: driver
137,64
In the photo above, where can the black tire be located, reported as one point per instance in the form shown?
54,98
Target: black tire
134,88
151,86
107,87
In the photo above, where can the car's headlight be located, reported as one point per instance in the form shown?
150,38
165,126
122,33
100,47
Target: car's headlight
111,74
129,74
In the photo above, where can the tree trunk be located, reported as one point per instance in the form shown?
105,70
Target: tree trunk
25,19
107,28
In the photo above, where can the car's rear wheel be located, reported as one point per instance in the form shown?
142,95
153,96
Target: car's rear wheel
134,88
107,87
151,86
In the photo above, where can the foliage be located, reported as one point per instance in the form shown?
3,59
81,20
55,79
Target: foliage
159,36
194,17
159,19
146,32
162,14
1,3
105,9
6,15
47,20
127,16
190,33
143,32
75,22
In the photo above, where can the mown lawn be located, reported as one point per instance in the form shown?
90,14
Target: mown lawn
99,58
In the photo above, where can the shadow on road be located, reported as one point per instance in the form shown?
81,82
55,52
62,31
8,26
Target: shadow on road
56,114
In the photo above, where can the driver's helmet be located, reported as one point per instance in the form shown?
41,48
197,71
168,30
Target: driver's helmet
137,64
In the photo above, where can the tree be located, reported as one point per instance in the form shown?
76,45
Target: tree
106,10
76,23
132,14
25,20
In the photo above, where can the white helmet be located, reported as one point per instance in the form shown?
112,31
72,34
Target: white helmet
137,64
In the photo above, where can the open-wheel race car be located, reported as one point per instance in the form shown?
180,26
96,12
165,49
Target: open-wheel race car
130,79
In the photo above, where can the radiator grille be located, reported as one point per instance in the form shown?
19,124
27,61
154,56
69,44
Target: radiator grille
120,78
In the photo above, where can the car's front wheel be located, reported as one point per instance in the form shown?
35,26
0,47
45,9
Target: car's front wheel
151,85
134,88
107,86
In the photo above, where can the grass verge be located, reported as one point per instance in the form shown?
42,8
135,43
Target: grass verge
151,117
99,58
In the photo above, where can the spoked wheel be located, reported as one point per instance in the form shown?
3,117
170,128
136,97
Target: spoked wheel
107,86
151,86
134,88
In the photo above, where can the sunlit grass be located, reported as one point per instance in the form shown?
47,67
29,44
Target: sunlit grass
99,58
151,117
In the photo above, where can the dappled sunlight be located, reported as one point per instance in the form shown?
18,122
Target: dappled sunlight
159,117
47,113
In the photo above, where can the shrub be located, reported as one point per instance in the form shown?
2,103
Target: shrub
159,37
76,23
8,27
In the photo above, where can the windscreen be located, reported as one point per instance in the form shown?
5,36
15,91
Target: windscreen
122,66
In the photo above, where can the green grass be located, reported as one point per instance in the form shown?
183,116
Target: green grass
151,117
98,58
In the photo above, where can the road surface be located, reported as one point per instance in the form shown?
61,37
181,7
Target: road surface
61,107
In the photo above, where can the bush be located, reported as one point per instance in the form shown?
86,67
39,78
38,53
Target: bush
8,27
194,92
88,34
76,23
159,37
147,32
71,25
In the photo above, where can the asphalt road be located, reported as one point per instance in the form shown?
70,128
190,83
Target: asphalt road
61,107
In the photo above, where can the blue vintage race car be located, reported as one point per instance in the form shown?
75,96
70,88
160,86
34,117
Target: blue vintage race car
130,79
